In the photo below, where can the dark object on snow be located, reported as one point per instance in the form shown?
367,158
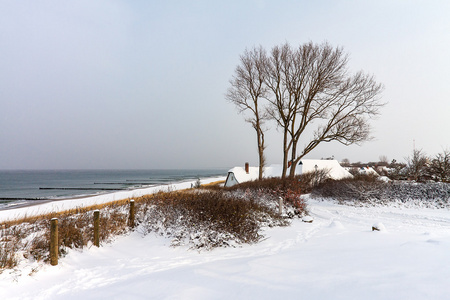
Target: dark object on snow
307,219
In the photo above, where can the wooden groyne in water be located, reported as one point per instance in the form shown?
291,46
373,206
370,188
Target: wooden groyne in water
21,198
82,189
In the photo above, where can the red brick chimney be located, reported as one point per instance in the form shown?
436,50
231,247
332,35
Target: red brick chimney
246,167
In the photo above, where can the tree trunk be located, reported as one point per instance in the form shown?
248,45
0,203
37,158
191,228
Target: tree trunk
293,158
285,155
262,162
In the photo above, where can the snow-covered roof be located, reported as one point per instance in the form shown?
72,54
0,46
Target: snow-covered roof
238,175
367,171
336,171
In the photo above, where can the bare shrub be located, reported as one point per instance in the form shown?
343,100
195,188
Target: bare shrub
369,191
8,258
360,189
417,165
290,189
39,247
302,182
205,219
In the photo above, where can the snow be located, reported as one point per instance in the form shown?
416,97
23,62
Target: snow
384,179
337,256
61,205
275,170
368,171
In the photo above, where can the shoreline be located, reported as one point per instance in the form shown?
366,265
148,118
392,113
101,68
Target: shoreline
61,204
75,197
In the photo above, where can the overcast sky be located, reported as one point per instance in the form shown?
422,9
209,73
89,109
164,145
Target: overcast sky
141,84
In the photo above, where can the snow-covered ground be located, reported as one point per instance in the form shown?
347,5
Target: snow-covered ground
338,256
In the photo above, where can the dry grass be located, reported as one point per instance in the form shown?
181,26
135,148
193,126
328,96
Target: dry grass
213,184
74,211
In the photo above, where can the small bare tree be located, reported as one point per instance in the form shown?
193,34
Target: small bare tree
345,162
247,92
383,160
417,165
439,167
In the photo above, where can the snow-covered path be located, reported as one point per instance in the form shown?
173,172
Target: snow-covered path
335,257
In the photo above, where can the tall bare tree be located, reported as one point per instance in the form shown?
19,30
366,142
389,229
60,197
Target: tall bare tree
282,107
307,89
311,89
247,91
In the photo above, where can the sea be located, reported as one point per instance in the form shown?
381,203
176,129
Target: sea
22,187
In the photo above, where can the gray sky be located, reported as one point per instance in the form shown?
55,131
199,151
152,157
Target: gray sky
141,84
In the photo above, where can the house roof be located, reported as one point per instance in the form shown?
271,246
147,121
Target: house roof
242,176
307,165
336,171
368,171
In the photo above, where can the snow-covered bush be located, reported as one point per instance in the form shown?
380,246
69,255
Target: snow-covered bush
430,194
270,190
205,220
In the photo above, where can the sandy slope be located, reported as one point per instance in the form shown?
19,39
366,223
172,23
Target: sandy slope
335,257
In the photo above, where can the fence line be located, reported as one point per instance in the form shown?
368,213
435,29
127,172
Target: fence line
54,244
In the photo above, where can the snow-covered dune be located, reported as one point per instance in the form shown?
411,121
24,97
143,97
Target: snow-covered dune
337,256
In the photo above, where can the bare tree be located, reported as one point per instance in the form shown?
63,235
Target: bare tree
307,88
383,160
345,162
439,167
417,165
247,92
310,87
281,110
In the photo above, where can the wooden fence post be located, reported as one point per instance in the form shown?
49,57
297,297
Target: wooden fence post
54,241
131,217
3,234
280,206
96,228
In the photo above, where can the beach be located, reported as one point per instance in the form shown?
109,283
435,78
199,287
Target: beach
48,206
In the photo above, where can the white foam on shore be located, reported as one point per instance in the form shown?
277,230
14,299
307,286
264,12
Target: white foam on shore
66,204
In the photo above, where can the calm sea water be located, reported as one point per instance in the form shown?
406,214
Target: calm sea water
17,187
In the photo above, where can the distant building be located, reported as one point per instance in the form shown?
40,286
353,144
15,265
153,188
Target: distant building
238,175
368,171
